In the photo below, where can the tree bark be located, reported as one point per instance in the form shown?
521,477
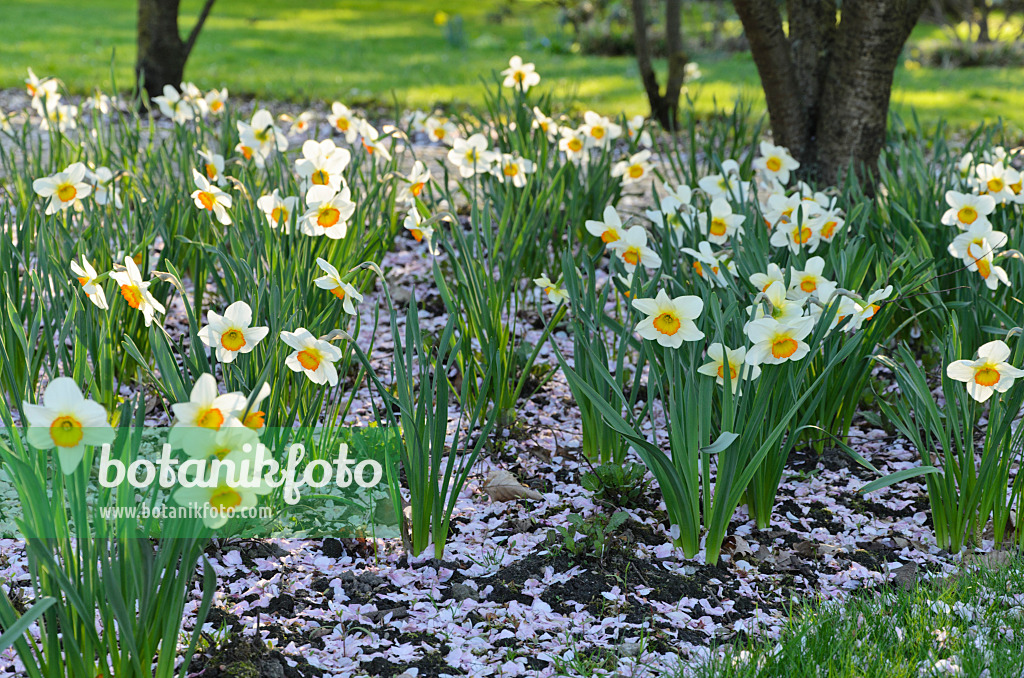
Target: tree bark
664,107
162,53
828,83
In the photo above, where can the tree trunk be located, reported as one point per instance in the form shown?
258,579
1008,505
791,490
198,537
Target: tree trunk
161,51
664,107
827,84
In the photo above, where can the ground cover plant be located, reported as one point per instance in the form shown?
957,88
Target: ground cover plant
505,393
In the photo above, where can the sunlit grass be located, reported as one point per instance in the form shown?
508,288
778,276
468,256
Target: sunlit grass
383,51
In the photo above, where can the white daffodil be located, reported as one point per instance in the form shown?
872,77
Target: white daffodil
174,106
519,75
988,374
343,121
210,198
721,224
105,190
709,265
471,156
278,210
731,359
669,321
216,100
635,130
418,178
261,136
512,169
67,421
255,418
216,504
634,170
599,131
227,442
87,275
327,212
870,307
213,167
632,249
556,294
63,188
783,308
312,356
371,140
413,223
776,342
996,180
610,230
205,409
978,239
136,291
726,185
827,224
762,280
803,284
300,124
967,209
775,163
333,283
230,334
440,130
574,144
795,235
322,164
545,124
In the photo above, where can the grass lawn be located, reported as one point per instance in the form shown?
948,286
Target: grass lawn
360,51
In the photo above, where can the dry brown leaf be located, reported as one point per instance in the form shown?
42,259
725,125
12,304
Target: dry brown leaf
501,485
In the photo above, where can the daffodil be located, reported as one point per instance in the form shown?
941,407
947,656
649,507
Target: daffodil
870,307
669,321
312,356
261,136
441,130
726,185
210,198
632,249
206,408
105,190
327,212
978,240
634,170
322,164
732,360
775,342
783,309
371,140
635,131
417,179
40,88
213,167
413,223
804,283
574,144
254,418
556,294
519,75
599,131
136,291
174,106
775,163
721,224
471,156
512,169
333,283
709,265
827,224
762,280
68,422
226,443
300,124
988,373
343,121
87,275
545,124
967,209
63,188
278,210
996,180
610,230
796,235
230,334
216,100
216,504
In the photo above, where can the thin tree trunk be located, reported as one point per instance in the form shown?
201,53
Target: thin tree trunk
664,107
161,53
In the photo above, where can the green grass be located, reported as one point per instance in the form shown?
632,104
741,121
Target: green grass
363,51
970,620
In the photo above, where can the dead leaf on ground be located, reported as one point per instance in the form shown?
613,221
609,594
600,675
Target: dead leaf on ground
501,485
